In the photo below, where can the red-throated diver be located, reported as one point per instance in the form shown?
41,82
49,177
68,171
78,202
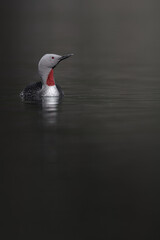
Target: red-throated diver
46,87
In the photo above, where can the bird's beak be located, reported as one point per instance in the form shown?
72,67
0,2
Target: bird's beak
66,56
62,58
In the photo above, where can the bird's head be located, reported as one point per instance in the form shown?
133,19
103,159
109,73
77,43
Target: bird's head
48,62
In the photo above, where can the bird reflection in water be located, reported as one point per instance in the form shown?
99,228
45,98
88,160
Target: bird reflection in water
48,106
49,109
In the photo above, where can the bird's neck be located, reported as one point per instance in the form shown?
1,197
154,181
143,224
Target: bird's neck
49,88
50,79
47,76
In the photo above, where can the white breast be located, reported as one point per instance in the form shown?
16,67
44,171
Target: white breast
49,91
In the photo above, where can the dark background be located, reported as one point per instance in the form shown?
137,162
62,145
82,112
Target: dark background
87,167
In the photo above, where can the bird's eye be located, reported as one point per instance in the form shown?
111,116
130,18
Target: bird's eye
52,57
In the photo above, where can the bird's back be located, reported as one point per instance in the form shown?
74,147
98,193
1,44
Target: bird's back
31,90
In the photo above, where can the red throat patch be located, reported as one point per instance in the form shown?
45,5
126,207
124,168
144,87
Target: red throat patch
50,79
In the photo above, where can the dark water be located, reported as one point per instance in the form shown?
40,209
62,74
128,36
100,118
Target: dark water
87,167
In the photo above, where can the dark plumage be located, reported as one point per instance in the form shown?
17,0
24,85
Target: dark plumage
32,88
